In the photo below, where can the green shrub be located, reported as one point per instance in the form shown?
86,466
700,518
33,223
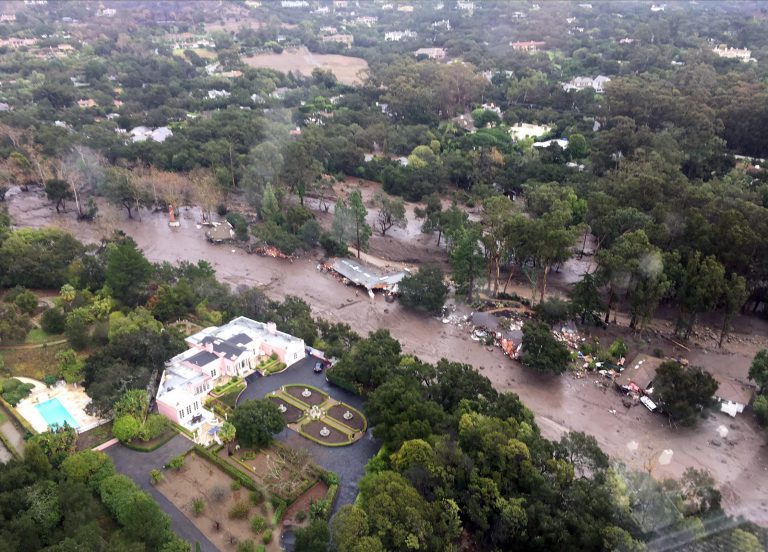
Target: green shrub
155,476
13,390
257,497
318,508
760,406
177,463
53,321
239,510
330,478
246,546
658,353
258,524
235,485
301,515
198,506
267,536
153,427
126,428
49,380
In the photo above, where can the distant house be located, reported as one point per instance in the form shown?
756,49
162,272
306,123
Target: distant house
234,349
366,20
4,106
84,104
340,3
7,18
734,53
658,7
626,40
528,46
431,53
397,36
367,276
347,39
106,12
405,8
443,23
294,4
465,6
142,133
562,142
527,130
582,83
214,94
638,375
15,43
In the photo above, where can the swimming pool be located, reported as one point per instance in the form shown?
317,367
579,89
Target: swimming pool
54,413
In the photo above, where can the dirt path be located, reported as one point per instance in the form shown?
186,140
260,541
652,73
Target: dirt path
634,436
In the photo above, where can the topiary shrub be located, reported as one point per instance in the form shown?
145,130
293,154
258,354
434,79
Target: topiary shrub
266,538
198,506
257,497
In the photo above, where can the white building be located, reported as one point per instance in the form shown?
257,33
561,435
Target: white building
562,142
234,349
397,36
465,6
213,94
734,53
527,130
294,4
582,83
431,53
443,23
142,133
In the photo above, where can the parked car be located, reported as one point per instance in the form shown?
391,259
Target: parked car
318,367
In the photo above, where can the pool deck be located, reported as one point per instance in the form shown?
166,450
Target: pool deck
72,397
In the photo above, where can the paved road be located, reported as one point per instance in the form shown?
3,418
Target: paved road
349,462
137,466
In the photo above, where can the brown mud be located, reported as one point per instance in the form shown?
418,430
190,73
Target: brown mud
739,462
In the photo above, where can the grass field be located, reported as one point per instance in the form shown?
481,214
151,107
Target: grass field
202,52
33,363
346,68
37,335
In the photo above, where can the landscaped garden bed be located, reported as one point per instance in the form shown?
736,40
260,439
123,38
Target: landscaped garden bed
339,413
292,414
225,512
315,429
299,392
279,470
94,437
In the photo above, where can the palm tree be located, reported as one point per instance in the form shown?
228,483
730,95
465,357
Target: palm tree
227,434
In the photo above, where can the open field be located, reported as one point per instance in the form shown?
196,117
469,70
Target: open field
300,60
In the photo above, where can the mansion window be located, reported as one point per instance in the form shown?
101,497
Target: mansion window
181,413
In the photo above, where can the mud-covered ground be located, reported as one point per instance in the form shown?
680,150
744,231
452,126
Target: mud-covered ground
738,462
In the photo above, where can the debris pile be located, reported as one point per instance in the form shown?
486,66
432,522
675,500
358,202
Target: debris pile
270,251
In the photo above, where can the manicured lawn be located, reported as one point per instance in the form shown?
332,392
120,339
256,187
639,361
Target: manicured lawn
37,335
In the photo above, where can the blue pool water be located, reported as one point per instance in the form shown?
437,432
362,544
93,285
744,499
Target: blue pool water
55,414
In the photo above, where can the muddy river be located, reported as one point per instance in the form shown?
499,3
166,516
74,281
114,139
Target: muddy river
634,436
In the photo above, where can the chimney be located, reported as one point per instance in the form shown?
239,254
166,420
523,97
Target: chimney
271,328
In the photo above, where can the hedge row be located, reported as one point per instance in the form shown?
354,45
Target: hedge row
228,468
7,444
330,497
18,417
170,434
344,384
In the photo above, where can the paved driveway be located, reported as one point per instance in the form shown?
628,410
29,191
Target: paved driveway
349,462
137,466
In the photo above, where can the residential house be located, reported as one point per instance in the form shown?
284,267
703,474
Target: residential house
638,375
294,4
106,12
234,349
733,395
582,83
443,23
562,142
83,104
528,46
142,133
214,94
4,107
347,39
658,7
465,6
220,233
626,40
329,30
405,8
527,130
7,18
366,20
323,10
15,43
431,53
733,53
397,36
340,3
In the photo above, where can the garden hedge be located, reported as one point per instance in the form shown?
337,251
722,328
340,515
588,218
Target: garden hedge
228,468
18,417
